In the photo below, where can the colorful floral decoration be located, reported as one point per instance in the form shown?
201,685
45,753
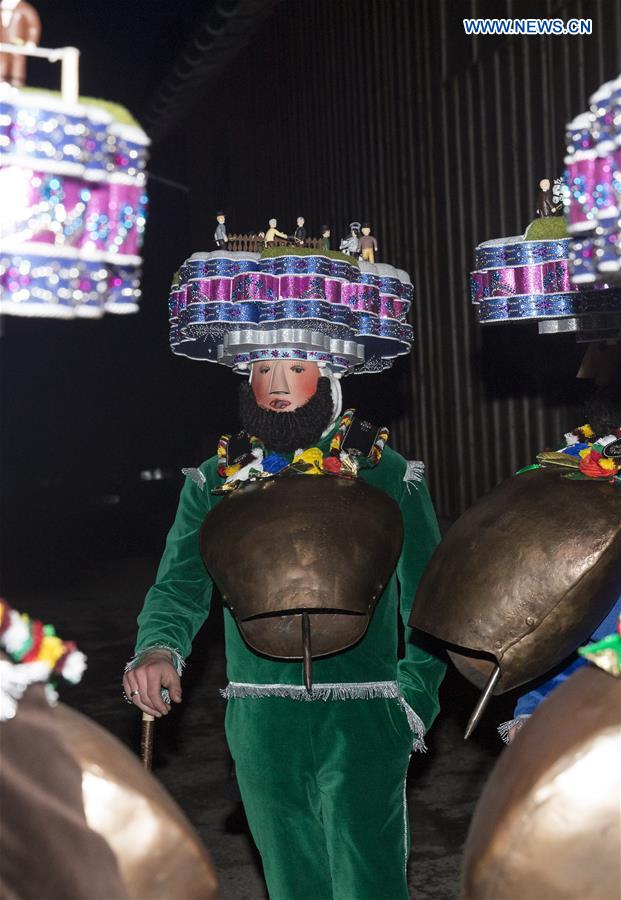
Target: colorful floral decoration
585,456
37,654
73,210
606,653
310,461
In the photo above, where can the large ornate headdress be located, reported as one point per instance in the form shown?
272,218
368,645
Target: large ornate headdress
72,215
236,308
565,274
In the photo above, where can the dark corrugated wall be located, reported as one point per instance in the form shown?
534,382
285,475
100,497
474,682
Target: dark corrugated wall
386,110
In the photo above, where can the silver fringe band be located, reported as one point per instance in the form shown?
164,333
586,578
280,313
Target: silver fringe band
353,690
416,726
175,657
406,819
505,727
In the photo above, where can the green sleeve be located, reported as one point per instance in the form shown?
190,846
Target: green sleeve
178,603
420,672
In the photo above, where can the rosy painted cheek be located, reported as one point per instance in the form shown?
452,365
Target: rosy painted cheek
303,387
260,389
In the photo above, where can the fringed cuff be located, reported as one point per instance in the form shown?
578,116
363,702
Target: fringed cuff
196,476
414,470
416,726
505,728
175,657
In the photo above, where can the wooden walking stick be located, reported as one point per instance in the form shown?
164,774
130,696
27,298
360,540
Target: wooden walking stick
147,732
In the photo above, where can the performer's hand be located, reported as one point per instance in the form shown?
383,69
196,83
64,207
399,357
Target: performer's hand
143,683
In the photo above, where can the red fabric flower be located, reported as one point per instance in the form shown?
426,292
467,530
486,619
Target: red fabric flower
332,464
590,466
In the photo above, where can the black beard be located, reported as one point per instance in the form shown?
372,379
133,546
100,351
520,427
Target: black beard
287,431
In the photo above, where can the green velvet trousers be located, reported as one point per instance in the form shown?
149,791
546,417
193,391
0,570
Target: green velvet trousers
323,786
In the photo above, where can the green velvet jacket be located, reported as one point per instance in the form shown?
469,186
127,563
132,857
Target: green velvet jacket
179,601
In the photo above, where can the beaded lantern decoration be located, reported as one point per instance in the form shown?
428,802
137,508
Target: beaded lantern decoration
236,308
72,216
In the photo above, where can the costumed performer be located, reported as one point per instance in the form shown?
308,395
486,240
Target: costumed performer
310,568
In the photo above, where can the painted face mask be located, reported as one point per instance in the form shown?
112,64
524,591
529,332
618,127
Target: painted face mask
284,385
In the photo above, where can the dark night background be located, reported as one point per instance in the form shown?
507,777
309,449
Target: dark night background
336,110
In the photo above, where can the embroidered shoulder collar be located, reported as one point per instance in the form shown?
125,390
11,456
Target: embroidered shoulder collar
253,463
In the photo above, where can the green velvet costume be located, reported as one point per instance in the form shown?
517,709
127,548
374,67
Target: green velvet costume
322,779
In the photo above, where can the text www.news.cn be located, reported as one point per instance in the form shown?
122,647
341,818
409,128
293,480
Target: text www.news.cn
528,26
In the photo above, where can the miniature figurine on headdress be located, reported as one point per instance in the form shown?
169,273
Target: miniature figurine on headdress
220,235
299,235
549,198
306,521
367,244
20,25
272,233
325,237
351,243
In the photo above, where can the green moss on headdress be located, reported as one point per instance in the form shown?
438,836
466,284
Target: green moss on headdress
550,228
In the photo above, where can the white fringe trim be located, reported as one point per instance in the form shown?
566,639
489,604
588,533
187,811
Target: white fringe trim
352,690
197,477
406,820
414,470
517,723
176,658
348,690
416,727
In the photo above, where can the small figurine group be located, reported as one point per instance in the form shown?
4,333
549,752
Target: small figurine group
359,243
269,236
298,237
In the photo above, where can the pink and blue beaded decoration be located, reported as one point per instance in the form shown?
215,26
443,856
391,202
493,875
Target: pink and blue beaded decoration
593,176
517,280
72,218
237,308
